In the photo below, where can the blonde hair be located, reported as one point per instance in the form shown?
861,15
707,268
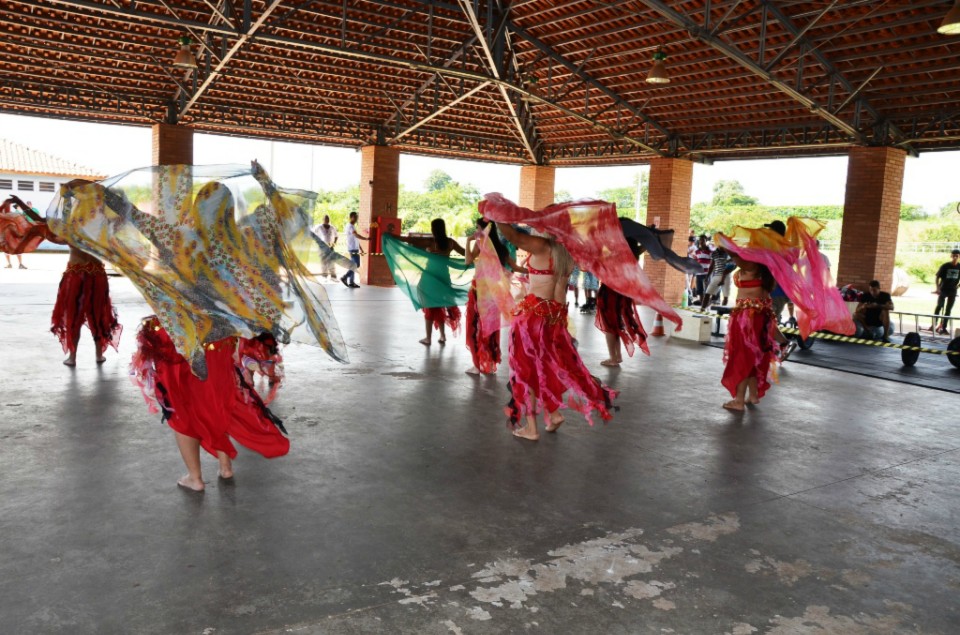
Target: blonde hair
562,260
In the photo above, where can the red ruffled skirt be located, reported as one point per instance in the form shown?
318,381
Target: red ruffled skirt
544,365
448,314
751,348
261,356
485,351
617,314
215,410
84,298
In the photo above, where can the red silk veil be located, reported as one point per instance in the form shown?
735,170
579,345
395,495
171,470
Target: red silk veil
591,232
799,269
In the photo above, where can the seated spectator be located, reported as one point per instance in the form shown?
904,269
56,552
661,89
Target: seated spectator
872,316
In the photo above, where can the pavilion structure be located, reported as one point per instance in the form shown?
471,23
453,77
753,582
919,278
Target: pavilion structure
536,83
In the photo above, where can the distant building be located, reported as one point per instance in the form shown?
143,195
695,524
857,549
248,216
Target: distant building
36,176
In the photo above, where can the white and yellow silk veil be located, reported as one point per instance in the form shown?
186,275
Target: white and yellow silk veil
217,251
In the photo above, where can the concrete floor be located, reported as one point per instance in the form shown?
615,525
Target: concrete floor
405,506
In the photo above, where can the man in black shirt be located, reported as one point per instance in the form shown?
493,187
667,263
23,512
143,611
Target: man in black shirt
872,316
948,275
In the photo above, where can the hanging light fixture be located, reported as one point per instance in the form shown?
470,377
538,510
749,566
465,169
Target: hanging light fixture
951,23
185,57
658,74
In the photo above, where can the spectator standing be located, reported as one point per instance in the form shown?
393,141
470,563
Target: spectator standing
353,248
948,275
703,256
719,277
328,234
872,316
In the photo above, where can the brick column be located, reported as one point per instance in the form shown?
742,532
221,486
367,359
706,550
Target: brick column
172,144
871,216
536,186
671,187
379,191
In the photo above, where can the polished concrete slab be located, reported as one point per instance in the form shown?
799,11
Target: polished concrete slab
405,506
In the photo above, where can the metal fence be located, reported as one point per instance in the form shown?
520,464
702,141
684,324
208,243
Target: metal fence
904,248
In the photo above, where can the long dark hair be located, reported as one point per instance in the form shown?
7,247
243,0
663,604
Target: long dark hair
502,252
767,280
439,230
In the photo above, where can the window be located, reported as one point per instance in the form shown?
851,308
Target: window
25,186
47,186
6,184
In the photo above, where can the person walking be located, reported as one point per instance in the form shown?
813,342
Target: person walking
328,234
353,248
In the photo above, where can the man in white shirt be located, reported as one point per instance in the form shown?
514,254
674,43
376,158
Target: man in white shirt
353,247
328,234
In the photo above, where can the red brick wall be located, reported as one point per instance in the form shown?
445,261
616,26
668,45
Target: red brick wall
671,186
536,186
379,191
871,216
172,144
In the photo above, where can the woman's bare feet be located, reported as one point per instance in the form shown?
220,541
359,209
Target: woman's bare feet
529,431
442,341
610,363
189,483
733,404
554,421
425,341
70,361
226,466
473,370
101,359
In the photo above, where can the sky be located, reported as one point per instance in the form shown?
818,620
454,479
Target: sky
929,181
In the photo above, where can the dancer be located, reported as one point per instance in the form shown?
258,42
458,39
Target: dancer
204,413
84,298
543,361
751,348
484,351
217,272
438,318
618,319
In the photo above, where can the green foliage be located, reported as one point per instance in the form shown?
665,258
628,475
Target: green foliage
911,212
922,267
943,232
730,193
455,203
626,197
438,181
562,196
951,209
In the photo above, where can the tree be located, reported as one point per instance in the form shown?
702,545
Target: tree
950,209
626,197
438,180
562,196
731,193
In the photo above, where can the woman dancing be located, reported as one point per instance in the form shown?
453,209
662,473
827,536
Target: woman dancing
617,318
751,345
84,298
484,351
543,361
439,317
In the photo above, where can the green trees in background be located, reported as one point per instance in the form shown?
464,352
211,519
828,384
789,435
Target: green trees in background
628,202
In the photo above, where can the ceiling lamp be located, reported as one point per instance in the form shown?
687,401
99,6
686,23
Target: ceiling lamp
951,23
185,57
658,74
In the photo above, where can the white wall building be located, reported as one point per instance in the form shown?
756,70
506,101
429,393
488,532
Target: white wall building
35,176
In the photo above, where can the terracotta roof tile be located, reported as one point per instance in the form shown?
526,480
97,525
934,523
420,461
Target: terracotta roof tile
21,159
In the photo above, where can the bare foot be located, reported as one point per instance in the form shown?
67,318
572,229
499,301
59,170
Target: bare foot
425,341
442,341
70,361
610,363
189,483
101,359
733,404
225,474
555,422
753,400
473,370
523,434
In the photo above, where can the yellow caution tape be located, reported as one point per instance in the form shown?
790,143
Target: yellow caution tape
832,337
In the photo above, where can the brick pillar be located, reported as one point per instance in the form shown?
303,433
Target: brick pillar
536,186
379,191
671,187
871,216
172,144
